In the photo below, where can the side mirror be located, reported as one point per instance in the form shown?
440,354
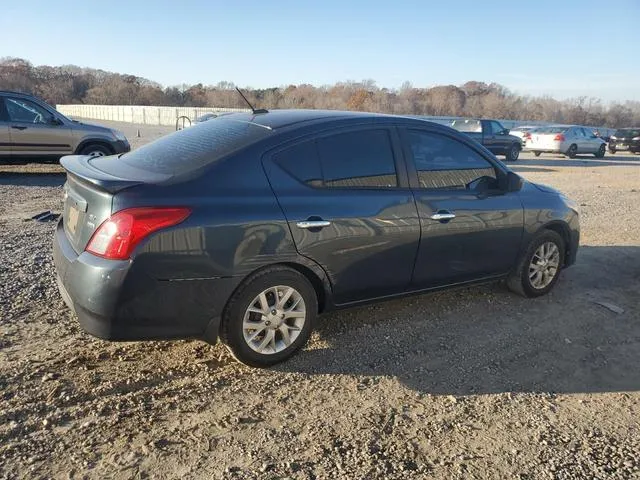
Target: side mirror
514,182
506,131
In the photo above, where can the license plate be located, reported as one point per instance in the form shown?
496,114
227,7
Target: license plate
72,220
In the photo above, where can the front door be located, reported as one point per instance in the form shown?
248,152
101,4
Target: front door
470,228
35,131
349,211
500,140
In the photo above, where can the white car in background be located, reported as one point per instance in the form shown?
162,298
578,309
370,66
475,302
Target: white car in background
569,140
521,132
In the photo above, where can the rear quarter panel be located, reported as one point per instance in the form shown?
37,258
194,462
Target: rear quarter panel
235,228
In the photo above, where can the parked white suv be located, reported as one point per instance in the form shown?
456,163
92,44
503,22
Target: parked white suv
569,140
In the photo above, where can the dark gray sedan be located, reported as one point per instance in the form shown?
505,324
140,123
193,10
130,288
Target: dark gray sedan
249,226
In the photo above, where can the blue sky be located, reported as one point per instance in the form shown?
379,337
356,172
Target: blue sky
563,48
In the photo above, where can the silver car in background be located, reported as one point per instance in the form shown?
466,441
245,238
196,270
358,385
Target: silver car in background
569,140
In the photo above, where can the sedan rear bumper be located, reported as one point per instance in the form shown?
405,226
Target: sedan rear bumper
115,300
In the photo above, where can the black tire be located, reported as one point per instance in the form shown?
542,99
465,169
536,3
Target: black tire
231,332
572,151
513,153
519,281
537,154
601,151
95,149
612,150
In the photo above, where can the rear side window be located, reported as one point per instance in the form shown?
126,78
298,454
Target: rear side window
445,163
187,150
357,159
301,162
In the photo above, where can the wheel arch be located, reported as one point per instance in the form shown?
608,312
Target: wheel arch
93,141
564,231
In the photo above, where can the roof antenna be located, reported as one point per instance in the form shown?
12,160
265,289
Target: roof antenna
260,110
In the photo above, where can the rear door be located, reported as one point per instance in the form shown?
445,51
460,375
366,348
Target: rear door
350,209
33,131
5,138
470,228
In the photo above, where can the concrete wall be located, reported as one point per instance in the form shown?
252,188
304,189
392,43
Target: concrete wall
168,115
139,114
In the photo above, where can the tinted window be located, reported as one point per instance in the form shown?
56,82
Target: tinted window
301,162
192,148
624,133
445,163
25,111
357,159
496,128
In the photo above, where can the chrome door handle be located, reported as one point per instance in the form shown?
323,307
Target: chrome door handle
442,216
313,224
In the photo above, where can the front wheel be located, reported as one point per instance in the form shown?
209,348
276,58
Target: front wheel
270,317
513,153
95,150
537,154
539,268
601,151
612,150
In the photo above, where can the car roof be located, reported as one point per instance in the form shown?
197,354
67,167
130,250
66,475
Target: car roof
277,119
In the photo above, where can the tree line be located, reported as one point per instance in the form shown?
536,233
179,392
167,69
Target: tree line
72,84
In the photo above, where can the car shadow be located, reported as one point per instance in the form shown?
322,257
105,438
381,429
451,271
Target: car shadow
488,340
32,179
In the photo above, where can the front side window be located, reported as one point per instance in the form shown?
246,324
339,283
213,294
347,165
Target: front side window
443,163
25,111
360,159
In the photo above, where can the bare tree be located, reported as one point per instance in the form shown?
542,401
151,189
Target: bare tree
73,84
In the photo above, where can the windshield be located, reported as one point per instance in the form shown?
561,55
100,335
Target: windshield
467,126
551,130
628,132
187,150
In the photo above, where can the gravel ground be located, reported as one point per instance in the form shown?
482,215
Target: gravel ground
472,383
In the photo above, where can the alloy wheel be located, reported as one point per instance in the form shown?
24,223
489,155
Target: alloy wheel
274,319
544,265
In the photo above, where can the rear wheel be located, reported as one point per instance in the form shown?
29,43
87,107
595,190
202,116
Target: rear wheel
95,150
612,150
601,151
537,154
572,151
539,268
270,317
513,153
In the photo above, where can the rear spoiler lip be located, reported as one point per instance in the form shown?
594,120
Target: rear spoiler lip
79,167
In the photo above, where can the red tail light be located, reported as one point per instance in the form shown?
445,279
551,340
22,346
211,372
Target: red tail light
559,137
527,136
118,235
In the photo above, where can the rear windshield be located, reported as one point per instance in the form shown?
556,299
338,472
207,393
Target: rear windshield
627,132
551,130
468,126
192,148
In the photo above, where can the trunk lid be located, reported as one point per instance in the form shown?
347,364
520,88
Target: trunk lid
89,192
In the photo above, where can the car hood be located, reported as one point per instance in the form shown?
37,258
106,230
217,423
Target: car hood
90,126
544,188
